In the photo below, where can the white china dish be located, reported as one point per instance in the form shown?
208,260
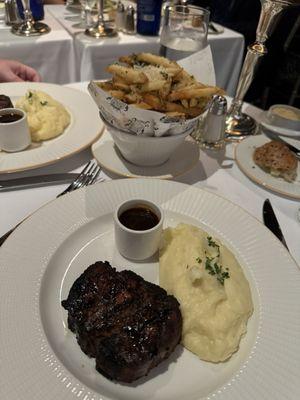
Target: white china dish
244,158
184,158
138,121
75,138
146,150
280,115
279,130
14,136
35,278
137,244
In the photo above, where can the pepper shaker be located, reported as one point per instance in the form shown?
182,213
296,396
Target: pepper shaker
129,21
12,15
165,21
213,130
120,17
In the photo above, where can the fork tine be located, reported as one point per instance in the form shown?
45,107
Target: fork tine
79,178
96,174
86,177
74,185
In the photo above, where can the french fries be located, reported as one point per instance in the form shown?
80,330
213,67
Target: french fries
151,82
130,75
193,92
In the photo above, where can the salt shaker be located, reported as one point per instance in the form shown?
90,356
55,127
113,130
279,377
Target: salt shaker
165,21
120,17
129,20
213,130
12,15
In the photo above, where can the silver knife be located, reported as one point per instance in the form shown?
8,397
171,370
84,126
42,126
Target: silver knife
279,139
36,181
271,221
213,29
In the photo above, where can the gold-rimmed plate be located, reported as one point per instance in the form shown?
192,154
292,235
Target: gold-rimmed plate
84,129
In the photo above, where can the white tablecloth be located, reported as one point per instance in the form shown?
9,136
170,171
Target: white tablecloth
52,55
93,55
216,171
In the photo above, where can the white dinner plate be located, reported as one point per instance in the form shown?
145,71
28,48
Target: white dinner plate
244,159
84,129
40,357
279,130
185,157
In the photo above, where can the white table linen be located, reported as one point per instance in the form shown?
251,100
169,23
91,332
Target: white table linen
52,54
93,55
216,172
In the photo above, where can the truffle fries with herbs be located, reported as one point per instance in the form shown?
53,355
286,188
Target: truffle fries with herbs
155,83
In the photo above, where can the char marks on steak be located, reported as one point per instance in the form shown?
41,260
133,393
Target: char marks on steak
127,324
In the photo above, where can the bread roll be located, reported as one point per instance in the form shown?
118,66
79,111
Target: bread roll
276,158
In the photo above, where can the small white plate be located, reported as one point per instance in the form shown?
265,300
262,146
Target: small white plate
108,156
244,159
277,129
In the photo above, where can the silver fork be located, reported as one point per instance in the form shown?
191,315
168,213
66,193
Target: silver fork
86,177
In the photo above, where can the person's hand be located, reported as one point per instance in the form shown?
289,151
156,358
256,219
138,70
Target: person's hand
14,71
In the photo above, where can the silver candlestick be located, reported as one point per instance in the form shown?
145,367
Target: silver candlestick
29,27
101,29
238,124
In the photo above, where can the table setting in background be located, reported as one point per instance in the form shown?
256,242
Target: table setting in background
94,54
42,52
74,56
150,219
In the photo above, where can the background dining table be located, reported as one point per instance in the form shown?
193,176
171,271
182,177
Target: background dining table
93,55
215,171
66,55
52,55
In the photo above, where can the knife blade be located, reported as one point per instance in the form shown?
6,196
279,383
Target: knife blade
279,139
213,29
271,222
36,181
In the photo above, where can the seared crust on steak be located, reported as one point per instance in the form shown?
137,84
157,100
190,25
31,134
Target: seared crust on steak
129,325
5,102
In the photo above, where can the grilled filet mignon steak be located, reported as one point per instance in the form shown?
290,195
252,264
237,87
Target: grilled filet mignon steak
127,324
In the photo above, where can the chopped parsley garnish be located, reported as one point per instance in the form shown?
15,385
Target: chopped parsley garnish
29,95
212,266
213,244
164,74
44,103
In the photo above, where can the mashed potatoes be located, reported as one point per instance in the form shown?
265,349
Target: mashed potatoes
213,293
47,118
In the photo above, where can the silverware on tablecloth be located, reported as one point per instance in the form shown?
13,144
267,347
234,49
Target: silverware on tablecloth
87,177
271,222
36,181
213,29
